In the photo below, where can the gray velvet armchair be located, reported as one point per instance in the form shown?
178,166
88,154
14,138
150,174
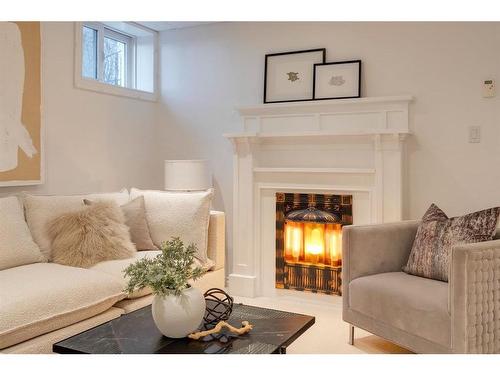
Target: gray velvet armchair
423,315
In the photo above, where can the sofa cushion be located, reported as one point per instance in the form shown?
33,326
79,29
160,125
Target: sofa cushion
437,234
43,344
413,304
42,209
90,235
114,268
212,279
178,214
42,297
16,244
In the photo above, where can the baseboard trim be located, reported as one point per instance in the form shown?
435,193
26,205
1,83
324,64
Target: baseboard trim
242,285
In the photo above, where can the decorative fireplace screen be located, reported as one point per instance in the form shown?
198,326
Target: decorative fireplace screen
309,240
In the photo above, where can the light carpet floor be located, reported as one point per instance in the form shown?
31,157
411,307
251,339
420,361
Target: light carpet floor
329,334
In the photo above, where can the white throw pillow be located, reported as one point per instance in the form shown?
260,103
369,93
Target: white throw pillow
40,210
178,214
16,244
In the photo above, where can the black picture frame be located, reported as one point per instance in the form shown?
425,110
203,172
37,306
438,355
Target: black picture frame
357,95
268,56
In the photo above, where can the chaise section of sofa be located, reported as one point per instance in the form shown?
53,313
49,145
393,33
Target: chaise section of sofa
43,297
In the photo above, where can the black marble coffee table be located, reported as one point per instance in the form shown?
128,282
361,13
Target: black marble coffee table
136,333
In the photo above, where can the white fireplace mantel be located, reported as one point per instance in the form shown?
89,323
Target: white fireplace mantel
348,146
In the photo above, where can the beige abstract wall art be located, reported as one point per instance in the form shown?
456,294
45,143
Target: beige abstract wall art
20,104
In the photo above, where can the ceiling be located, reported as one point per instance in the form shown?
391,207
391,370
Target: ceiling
166,25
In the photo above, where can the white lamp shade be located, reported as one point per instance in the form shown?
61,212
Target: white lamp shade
187,175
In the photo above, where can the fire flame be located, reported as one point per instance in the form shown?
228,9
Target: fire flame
313,242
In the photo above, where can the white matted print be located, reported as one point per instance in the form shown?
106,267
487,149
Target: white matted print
337,80
289,75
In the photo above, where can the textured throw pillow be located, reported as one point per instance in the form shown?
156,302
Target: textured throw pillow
42,209
178,214
90,235
16,245
135,220
437,234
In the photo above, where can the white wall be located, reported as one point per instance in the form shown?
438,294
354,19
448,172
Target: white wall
99,142
93,142
208,70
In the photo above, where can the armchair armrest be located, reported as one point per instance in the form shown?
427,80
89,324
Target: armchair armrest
475,297
372,249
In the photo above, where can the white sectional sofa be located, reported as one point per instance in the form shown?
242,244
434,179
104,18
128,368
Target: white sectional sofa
42,303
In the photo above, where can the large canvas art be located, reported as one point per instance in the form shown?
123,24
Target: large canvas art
20,104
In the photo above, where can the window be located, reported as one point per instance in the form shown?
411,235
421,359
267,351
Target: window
117,58
89,53
108,55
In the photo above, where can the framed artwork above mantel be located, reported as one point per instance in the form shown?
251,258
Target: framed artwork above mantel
299,76
337,80
288,76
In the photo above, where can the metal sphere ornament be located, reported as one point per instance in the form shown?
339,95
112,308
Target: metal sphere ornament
219,306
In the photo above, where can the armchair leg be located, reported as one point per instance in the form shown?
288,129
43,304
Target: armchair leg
351,334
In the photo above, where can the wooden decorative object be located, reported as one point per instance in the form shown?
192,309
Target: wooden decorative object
245,327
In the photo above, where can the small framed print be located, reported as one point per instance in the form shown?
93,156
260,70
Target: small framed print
288,76
337,80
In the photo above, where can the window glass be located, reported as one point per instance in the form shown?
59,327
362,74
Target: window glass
114,62
89,53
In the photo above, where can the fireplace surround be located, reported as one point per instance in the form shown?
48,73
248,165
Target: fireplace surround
352,147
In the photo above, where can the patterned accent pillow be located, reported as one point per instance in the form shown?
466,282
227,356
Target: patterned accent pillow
437,234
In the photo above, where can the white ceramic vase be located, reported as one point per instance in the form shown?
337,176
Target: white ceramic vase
178,316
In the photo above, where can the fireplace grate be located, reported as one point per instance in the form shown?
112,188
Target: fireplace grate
312,278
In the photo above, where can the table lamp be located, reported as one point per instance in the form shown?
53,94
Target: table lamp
187,175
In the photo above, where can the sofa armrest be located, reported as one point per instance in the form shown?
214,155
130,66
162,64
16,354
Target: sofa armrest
372,249
475,297
216,250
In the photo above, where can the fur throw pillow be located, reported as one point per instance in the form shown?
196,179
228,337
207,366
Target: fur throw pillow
91,235
135,219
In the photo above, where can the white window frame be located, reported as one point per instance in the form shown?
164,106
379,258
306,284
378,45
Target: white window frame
97,84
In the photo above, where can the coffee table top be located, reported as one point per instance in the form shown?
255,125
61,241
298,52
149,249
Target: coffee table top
136,333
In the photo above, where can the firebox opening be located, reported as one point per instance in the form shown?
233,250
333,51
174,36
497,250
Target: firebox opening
313,236
309,240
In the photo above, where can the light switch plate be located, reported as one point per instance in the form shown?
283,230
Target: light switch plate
474,134
489,89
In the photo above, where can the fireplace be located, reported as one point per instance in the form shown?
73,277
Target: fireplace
309,241
352,148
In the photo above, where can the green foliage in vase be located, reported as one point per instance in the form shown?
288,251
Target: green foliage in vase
168,272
